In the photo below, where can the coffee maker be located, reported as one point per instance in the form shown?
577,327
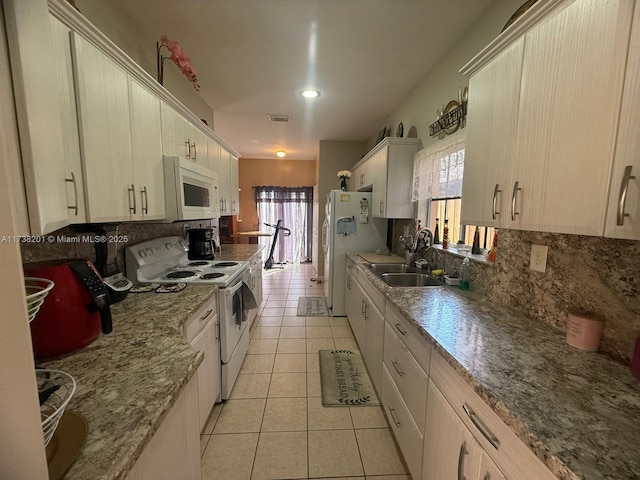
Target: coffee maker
201,244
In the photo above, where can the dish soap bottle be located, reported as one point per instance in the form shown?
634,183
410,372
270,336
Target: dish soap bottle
464,275
445,235
436,233
475,249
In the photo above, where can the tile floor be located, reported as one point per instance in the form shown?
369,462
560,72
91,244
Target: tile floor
274,425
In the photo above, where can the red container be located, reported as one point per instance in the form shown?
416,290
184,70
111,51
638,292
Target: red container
68,319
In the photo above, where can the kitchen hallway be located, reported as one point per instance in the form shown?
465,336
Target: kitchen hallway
274,426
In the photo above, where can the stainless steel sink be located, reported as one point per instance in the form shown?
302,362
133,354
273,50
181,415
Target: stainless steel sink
410,280
382,268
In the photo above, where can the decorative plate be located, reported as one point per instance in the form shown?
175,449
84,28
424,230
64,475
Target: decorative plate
451,106
400,130
525,6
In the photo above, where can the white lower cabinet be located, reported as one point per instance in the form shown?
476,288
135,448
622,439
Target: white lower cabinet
404,427
174,450
201,330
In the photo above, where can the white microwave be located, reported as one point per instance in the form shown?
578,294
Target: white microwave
190,190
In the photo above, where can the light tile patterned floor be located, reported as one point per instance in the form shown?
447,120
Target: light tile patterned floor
274,425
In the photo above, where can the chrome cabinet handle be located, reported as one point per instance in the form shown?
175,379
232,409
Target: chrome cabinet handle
487,476
494,205
132,193
233,205
395,365
362,307
366,310
516,188
397,325
206,315
188,149
381,204
391,410
195,151
348,282
622,199
75,193
463,452
486,433
145,203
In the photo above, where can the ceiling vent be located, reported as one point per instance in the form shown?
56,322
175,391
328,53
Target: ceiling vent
279,117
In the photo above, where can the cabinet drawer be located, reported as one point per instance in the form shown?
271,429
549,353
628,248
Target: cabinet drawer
409,378
507,450
404,428
196,322
372,292
419,347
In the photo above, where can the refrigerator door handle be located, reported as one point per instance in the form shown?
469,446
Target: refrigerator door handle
325,228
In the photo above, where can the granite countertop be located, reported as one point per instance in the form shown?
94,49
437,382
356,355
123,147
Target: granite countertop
238,252
579,412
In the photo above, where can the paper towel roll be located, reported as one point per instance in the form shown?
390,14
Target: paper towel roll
584,331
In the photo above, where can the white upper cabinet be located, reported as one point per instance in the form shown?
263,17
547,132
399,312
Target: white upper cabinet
198,142
148,174
623,214
494,93
105,133
228,182
564,123
45,109
175,135
387,170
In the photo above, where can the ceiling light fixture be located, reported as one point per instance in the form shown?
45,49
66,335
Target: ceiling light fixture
310,93
281,153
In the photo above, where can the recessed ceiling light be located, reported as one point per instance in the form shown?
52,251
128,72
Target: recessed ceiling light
281,153
310,93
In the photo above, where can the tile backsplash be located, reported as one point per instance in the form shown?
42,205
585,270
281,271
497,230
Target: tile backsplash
70,242
588,274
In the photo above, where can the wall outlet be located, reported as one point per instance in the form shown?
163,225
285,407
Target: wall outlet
538,258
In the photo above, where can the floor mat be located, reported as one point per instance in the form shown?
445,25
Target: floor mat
312,307
344,380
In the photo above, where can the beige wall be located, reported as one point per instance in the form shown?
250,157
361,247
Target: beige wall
282,173
125,32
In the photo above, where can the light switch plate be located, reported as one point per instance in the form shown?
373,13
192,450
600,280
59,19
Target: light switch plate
538,260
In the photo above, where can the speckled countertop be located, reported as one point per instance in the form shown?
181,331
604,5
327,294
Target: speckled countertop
579,412
128,381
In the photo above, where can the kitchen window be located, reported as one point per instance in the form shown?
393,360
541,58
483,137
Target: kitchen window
437,187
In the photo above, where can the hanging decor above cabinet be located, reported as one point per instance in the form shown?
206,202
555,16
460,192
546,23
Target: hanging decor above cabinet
178,57
451,117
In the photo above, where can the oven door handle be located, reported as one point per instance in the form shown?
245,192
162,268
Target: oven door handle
248,300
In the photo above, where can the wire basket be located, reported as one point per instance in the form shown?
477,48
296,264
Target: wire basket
53,407
36,289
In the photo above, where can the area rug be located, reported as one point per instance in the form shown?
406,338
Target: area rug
312,307
344,380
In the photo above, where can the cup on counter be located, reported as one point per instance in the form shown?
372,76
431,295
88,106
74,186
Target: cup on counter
584,331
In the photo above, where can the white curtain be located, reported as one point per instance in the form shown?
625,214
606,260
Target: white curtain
293,207
438,169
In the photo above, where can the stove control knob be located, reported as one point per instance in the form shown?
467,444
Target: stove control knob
142,253
168,246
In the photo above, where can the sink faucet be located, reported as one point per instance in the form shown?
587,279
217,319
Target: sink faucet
420,239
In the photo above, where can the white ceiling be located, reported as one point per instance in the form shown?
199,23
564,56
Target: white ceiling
254,56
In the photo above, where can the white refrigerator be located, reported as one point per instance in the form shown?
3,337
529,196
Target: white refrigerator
349,227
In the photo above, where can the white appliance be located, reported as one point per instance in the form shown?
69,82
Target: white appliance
190,190
165,260
348,227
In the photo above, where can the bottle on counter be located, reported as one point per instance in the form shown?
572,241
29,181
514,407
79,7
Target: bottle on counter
493,253
445,235
464,275
436,233
475,248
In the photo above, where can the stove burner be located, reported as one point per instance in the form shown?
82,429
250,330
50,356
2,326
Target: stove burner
225,264
211,276
197,264
182,274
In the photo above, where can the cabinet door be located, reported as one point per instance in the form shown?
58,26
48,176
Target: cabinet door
146,144
209,370
174,450
356,320
234,186
374,342
198,142
488,469
494,93
573,70
213,155
350,300
105,132
623,214
174,133
377,170
72,167
224,188
450,452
